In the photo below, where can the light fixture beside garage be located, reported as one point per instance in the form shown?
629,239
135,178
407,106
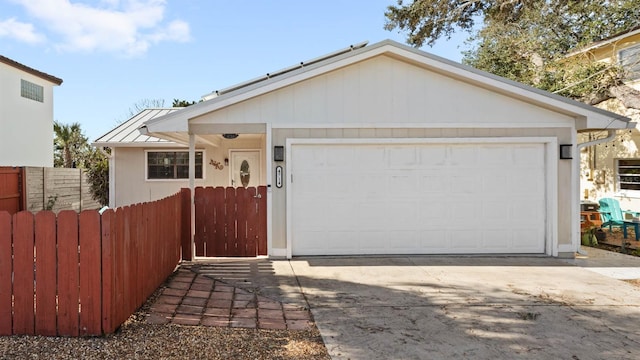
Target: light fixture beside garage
278,153
566,151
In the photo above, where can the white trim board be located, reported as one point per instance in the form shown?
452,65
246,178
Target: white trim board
443,125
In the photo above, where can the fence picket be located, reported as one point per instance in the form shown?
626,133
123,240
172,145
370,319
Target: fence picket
68,276
262,221
251,220
217,203
23,274
209,221
45,235
242,204
200,234
90,322
185,216
6,320
107,230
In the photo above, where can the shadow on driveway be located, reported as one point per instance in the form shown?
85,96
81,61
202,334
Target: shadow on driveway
475,307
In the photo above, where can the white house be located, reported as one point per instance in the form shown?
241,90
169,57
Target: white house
385,149
26,115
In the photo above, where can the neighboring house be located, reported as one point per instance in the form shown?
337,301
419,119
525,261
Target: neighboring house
612,169
385,149
144,168
26,115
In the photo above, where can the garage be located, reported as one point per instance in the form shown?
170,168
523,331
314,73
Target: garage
417,197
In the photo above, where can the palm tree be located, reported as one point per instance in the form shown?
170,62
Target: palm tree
68,143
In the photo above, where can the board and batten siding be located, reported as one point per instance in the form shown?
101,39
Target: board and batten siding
384,90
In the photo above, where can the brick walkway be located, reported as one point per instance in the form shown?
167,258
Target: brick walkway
192,298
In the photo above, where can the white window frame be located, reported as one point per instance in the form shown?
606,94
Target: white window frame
146,165
619,174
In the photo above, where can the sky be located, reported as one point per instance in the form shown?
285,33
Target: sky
115,54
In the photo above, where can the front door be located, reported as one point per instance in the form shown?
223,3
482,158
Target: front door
245,168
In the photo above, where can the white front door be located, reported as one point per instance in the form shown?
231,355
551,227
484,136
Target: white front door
245,168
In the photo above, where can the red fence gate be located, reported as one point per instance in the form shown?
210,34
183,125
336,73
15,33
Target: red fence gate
231,221
12,189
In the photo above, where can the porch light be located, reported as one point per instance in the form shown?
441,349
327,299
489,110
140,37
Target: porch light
278,153
230,136
566,151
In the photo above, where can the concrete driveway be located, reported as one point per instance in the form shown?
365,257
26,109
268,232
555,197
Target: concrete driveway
426,307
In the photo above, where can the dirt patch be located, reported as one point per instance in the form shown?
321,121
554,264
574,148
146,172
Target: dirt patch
615,240
635,282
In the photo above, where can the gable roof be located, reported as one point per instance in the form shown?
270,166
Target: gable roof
127,134
587,117
32,71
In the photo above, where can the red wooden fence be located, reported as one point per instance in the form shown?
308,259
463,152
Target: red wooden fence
230,221
84,274
12,189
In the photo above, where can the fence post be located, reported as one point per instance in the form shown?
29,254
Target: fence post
186,234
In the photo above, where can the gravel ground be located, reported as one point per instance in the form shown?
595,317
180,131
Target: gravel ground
138,340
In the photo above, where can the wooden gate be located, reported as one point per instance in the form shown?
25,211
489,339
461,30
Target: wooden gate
12,189
231,221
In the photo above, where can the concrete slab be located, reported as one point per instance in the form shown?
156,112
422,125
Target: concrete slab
418,307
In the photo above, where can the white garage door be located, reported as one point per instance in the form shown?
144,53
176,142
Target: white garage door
417,198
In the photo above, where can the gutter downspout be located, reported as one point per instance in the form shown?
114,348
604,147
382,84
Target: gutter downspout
610,135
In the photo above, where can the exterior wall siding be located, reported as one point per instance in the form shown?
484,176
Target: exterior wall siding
26,126
130,171
383,90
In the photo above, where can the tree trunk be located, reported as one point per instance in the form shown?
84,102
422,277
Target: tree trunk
629,96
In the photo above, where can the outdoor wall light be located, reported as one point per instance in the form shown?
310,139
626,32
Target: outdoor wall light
278,153
566,151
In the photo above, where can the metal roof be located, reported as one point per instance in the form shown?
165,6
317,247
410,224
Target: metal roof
127,134
29,70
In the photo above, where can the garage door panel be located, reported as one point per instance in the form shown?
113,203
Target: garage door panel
422,198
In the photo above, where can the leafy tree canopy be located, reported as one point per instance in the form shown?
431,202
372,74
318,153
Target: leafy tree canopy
182,103
526,40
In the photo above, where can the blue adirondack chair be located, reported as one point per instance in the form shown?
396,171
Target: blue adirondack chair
614,216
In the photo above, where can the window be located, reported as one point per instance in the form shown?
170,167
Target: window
629,174
31,91
630,61
171,165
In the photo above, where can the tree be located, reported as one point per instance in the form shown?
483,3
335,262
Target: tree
527,40
69,144
145,104
182,103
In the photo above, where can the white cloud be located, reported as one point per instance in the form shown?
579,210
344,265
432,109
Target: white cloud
20,31
126,27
